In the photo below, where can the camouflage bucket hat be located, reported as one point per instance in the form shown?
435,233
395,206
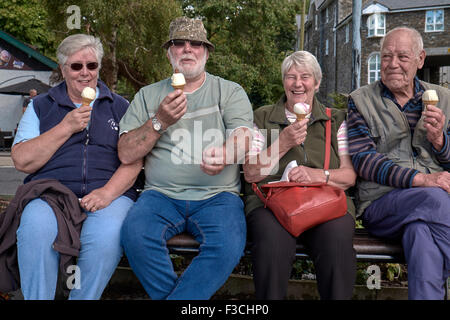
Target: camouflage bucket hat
184,28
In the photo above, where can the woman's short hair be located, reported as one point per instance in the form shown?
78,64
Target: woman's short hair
77,42
302,59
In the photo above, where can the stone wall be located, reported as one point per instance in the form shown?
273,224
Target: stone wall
337,69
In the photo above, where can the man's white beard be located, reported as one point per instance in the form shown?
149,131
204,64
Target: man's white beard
189,72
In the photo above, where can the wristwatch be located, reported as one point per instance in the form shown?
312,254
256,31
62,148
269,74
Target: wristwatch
157,125
327,175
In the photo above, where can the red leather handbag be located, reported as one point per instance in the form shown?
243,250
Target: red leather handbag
298,206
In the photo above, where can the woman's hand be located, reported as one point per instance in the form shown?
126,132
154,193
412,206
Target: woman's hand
302,174
293,135
96,200
342,178
78,119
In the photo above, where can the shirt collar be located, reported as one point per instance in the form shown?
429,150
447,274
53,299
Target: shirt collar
418,91
59,93
278,114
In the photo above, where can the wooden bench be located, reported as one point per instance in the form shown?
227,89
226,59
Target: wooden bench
367,247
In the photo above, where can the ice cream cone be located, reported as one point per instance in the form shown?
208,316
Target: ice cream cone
430,97
181,87
432,102
301,110
85,101
87,96
178,80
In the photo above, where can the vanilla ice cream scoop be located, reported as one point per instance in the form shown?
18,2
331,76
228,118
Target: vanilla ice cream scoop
87,95
430,97
301,110
178,81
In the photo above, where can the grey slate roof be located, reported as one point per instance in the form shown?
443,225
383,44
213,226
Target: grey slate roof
408,4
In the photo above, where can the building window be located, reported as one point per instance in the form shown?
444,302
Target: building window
434,20
326,14
374,67
376,25
326,47
347,32
315,21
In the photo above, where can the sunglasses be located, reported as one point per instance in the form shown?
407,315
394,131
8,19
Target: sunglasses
192,43
76,66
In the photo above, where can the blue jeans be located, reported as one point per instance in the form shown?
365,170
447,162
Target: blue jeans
217,223
420,217
99,255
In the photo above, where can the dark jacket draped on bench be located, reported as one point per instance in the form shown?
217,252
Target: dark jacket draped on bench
69,218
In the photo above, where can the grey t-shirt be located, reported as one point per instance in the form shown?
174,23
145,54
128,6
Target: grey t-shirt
173,165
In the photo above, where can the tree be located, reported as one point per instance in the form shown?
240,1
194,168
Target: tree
252,37
131,31
26,21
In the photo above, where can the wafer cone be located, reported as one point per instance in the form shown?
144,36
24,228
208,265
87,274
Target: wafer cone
432,102
300,116
181,87
85,101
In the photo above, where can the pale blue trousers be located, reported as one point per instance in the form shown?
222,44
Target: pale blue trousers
99,255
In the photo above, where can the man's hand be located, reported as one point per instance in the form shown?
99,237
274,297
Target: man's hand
213,161
77,119
294,134
172,108
434,123
436,179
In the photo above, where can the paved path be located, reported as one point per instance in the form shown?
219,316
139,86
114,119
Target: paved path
10,178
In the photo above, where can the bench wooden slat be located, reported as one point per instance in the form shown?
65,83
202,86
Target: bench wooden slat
366,246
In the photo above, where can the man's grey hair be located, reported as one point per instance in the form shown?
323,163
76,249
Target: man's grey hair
77,42
415,36
302,59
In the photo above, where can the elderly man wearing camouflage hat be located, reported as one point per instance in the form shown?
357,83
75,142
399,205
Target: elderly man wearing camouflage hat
191,140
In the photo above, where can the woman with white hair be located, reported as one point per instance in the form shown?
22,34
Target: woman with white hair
61,138
329,244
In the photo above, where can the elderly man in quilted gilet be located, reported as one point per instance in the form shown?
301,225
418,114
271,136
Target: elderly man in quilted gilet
400,148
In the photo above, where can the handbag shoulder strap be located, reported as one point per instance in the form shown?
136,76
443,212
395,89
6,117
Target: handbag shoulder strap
326,164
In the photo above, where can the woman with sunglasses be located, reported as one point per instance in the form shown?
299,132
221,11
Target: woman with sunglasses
59,138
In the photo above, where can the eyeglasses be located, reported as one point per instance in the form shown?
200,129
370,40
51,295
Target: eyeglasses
180,43
76,66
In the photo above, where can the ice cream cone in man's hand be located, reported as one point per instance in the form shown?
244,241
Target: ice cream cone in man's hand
178,81
430,97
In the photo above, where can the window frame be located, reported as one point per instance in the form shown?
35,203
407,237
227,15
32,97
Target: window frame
376,55
376,16
434,20
347,32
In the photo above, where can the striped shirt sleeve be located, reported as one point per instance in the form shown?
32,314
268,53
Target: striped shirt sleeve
342,139
443,156
368,163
